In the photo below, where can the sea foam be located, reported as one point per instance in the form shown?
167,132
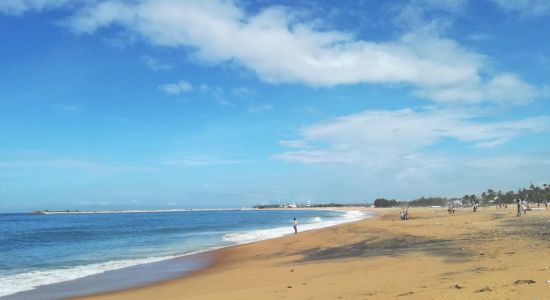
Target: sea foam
15,283
245,237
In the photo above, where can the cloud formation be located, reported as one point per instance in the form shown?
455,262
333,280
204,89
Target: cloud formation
284,47
526,8
378,138
154,64
177,88
19,7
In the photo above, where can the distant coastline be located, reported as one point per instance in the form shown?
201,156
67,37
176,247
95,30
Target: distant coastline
137,211
132,211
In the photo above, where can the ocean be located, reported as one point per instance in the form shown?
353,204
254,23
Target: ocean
37,251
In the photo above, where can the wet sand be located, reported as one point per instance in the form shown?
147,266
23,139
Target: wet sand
487,255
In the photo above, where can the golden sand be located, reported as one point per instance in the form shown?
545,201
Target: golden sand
487,255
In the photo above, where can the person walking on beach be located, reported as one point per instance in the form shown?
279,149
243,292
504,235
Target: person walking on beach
295,224
519,208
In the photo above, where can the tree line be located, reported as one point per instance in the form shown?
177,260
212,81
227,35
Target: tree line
533,194
422,201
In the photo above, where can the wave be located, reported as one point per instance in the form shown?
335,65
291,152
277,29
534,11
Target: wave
315,220
12,284
15,283
245,237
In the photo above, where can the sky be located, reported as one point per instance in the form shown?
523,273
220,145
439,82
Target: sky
163,104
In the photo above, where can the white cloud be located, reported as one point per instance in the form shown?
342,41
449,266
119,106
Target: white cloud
280,47
526,8
378,138
515,161
505,88
177,88
19,7
216,93
154,64
244,92
428,14
293,143
406,153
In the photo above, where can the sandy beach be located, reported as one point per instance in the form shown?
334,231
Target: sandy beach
487,255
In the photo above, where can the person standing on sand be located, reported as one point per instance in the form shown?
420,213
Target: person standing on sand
519,208
295,224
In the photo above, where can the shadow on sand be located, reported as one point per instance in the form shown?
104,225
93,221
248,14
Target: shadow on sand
393,246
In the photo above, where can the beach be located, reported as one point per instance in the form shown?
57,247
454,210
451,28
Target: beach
58,256
433,255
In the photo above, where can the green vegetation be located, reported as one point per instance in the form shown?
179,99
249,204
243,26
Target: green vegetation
430,201
533,194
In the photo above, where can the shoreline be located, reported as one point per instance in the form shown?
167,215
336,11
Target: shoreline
69,288
437,256
118,279
218,257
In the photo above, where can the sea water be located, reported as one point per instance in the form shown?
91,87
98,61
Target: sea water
38,250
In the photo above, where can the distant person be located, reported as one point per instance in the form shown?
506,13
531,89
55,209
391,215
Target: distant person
475,207
519,208
545,204
402,215
295,224
406,214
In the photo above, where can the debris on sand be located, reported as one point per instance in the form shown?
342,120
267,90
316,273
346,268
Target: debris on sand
456,286
485,289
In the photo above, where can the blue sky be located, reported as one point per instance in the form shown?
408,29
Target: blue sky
172,104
